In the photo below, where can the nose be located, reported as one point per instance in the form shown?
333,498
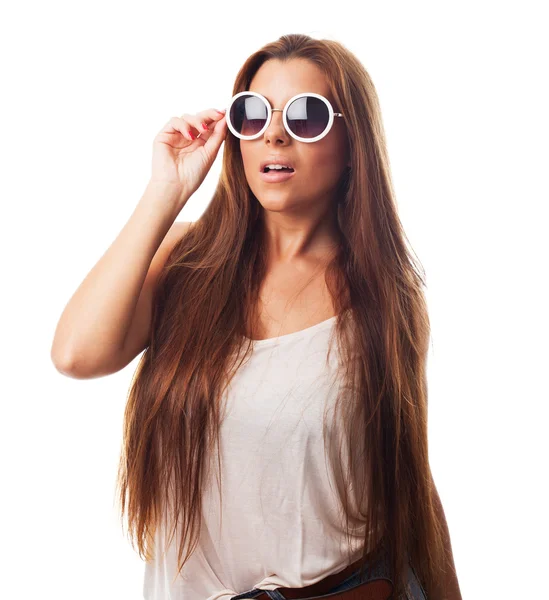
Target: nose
276,130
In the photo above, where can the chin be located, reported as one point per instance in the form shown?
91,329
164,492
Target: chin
276,204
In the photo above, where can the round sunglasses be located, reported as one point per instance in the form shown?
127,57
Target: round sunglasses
307,117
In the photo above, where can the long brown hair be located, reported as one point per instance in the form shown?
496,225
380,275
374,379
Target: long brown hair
208,293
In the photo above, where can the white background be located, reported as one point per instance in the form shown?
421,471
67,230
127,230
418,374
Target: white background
463,91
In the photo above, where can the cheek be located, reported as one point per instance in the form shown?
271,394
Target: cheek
325,166
249,160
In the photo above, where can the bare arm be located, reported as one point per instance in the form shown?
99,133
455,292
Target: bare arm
91,332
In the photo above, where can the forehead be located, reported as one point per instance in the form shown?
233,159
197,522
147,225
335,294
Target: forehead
279,81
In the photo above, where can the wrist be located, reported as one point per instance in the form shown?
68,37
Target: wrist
166,193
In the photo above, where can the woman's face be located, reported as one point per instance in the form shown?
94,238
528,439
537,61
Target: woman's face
318,165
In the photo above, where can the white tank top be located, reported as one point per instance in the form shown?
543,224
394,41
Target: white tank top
280,520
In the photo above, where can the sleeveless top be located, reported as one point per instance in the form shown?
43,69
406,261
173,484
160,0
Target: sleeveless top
279,520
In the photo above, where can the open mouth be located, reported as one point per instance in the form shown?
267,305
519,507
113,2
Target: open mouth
283,170
276,175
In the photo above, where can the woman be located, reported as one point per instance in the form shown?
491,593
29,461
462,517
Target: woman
286,336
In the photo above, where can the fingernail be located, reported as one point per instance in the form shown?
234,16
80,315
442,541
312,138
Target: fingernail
222,111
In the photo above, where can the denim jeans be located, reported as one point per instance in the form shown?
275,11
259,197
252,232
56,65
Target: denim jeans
414,589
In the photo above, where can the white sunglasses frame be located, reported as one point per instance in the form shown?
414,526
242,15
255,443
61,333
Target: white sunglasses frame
331,115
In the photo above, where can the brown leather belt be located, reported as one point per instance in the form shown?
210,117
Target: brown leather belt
374,590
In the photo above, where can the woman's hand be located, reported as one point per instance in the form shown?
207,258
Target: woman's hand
181,159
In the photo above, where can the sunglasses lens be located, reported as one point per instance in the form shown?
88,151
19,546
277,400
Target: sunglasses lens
308,116
248,115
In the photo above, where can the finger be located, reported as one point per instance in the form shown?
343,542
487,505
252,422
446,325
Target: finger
178,124
197,124
201,122
211,115
217,135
